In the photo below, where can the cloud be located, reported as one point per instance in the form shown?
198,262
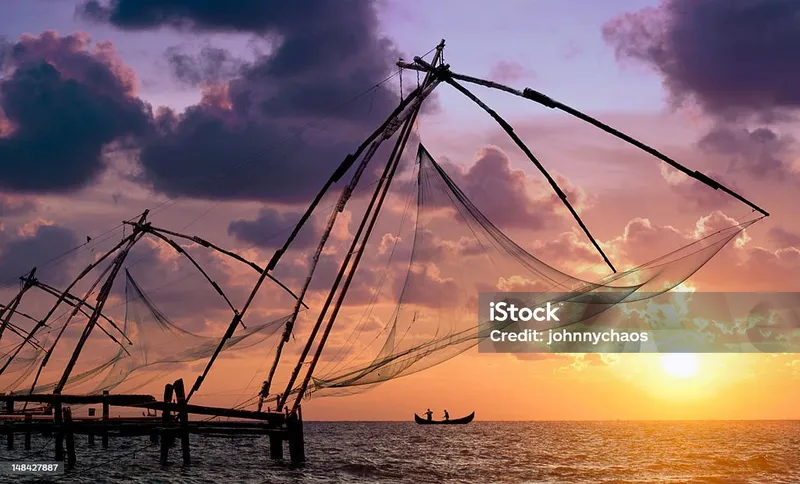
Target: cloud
784,237
250,134
271,228
697,194
64,104
761,153
509,71
208,15
732,58
12,206
507,196
48,242
211,65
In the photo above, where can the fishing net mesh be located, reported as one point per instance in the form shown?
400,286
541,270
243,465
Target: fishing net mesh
458,252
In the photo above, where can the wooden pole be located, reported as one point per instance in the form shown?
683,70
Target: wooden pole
106,411
102,298
11,308
91,432
297,451
57,419
276,446
407,118
43,322
518,141
10,411
340,171
166,438
183,419
366,226
551,103
28,421
70,437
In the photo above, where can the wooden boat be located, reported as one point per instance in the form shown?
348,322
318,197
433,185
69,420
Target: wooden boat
452,421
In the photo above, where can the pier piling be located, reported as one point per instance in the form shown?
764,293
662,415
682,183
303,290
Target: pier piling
70,438
10,411
297,451
106,411
28,421
58,420
165,420
183,418
90,435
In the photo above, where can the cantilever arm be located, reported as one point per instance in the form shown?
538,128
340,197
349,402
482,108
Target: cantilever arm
207,244
444,73
71,297
549,102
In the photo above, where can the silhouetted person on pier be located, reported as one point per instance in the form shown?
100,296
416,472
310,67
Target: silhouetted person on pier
446,415
429,414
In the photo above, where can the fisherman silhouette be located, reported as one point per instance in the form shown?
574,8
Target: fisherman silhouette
429,414
446,415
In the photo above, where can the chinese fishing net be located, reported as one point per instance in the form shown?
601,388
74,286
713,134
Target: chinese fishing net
156,346
458,252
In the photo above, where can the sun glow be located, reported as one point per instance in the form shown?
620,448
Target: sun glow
680,365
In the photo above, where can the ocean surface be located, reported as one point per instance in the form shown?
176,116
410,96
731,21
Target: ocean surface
482,452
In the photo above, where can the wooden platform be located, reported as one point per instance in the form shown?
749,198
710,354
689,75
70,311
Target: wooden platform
171,425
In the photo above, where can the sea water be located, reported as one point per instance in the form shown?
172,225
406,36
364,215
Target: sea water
726,452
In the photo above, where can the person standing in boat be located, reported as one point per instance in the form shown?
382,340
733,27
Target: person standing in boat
429,414
446,415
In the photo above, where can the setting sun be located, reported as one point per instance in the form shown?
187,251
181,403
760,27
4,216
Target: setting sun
680,365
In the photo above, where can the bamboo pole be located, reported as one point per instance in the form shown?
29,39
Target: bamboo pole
7,311
102,297
207,244
406,117
549,102
340,171
75,299
180,250
444,74
43,322
376,201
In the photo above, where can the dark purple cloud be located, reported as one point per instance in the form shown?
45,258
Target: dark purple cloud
19,255
211,65
244,139
258,16
732,57
271,228
61,105
761,153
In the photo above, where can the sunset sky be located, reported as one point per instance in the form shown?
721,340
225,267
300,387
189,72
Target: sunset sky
226,120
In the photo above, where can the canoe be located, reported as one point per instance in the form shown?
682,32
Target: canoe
452,421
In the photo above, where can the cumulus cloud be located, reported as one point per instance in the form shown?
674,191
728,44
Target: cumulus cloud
21,254
507,196
211,65
732,58
760,153
325,53
271,228
64,101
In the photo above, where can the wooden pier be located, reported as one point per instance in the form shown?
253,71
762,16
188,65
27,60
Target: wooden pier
172,426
